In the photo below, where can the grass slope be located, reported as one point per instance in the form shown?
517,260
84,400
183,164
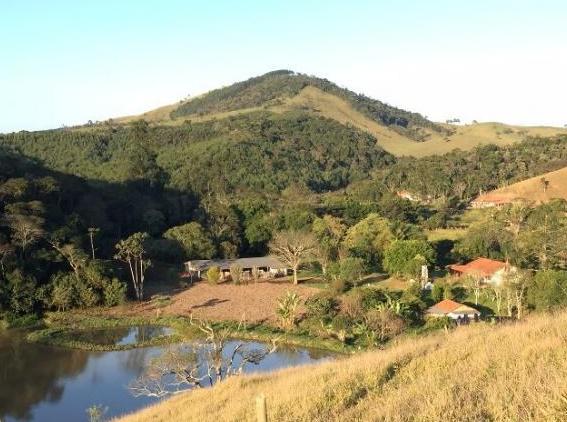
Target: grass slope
508,373
532,189
314,100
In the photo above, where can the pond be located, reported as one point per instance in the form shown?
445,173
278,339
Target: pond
44,383
123,336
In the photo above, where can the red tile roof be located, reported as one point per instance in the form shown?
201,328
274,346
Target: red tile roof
483,266
447,306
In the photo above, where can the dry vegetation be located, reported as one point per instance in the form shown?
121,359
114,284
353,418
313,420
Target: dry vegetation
514,372
223,302
327,105
533,189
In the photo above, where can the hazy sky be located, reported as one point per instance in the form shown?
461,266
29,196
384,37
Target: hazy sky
65,62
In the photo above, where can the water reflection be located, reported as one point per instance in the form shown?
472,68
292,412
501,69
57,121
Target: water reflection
39,382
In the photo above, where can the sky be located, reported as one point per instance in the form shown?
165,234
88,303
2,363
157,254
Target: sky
64,62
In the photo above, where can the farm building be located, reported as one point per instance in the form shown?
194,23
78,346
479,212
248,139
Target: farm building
489,270
491,200
455,310
266,267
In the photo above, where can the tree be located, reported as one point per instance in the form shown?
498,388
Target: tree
92,231
199,364
26,230
347,270
405,257
548,290
292,248
329,232
516,284
194,240
132,251
474,282
369,238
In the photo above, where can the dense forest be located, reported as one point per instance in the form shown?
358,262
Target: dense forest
75,203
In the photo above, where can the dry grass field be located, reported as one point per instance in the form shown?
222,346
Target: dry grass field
327,105
514,372
532,189
256,302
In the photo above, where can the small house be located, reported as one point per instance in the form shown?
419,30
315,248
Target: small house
454,310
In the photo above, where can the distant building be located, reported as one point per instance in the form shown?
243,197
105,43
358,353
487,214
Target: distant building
489,270
267,267
492,200
454,310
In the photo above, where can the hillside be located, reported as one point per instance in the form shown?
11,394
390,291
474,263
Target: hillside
397,131
480,372
533,189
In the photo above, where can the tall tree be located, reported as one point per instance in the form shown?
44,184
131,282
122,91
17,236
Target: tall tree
132,251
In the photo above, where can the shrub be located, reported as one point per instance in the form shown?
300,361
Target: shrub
371,297
338,286
236,273
287,310
322,306
349,270
351,305
213,275
384,323
63,294
438,323
87,296
437,292
114,293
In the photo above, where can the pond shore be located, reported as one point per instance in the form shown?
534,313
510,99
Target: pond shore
59,327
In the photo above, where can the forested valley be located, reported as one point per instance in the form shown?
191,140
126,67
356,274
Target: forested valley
224,188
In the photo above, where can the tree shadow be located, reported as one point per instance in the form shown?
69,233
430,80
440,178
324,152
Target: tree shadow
210,303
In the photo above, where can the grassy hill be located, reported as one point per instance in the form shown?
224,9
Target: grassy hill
399,132
533,189
508,373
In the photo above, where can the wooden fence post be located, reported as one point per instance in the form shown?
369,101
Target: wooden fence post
261,410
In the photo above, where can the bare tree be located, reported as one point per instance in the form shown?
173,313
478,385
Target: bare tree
474,282
292,248
200,364
92,233
76,258
26,229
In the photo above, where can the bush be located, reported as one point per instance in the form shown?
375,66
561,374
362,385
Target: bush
287,310
322,306
213,275
351,305
384,323
87,296
114,293
371,297
438,323
236,273
63,294
339,286
349,270
437,292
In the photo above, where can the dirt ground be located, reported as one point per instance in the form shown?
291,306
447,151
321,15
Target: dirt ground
254,302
